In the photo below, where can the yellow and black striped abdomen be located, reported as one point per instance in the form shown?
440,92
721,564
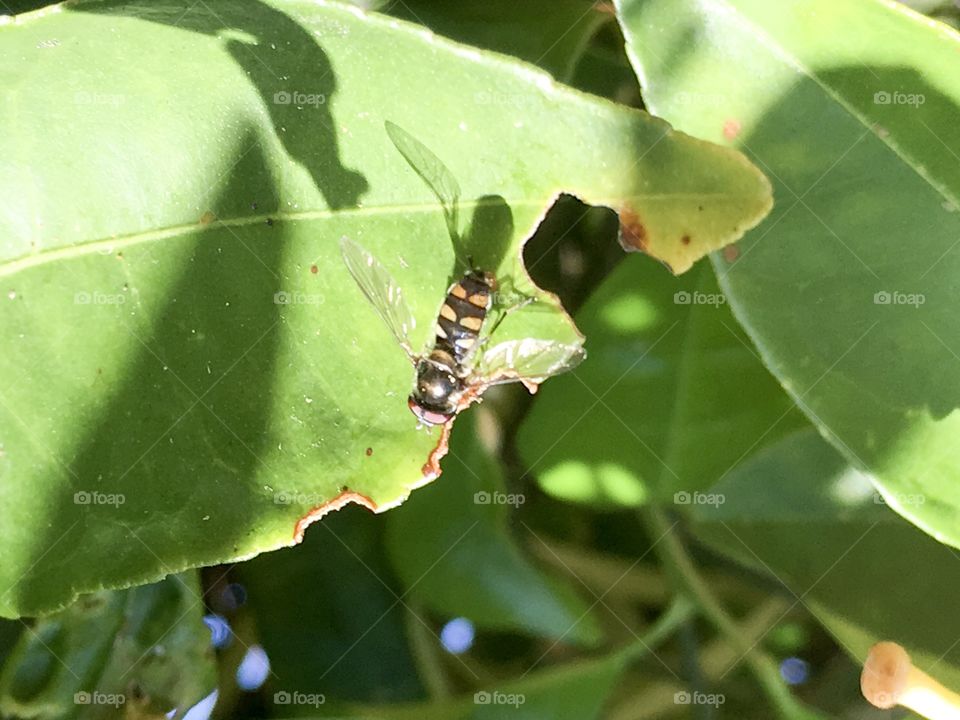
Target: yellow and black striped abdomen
462,315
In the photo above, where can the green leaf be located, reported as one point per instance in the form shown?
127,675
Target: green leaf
183,346
848,288
672,398
140,652
801,514
469,565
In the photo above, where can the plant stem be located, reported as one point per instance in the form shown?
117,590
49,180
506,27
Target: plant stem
681,567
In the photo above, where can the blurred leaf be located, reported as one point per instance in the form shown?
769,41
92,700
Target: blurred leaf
141,653
577,690
800,513
469,565
849,288
330,615
673,395
238,377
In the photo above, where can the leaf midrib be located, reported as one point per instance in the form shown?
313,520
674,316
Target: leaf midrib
41,257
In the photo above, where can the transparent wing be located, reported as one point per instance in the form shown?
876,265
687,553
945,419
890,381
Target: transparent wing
381,290
432,170
529,361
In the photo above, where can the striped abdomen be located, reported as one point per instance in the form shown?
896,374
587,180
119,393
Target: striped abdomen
461,317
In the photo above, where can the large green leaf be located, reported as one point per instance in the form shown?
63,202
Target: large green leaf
849,288
469,564
800,513
141,653
672,398
187,366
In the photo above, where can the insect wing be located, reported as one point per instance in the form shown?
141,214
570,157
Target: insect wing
529,361
381,290
432,170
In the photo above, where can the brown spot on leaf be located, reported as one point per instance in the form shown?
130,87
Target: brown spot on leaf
731,128
207,218
633,233
314,269
344,498
731,253
685,240
369,452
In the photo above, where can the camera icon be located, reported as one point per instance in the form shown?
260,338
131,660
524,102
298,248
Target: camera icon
481,498
482,698
682,297
882,298
81,698
282,297
282,498
882,98
82,498
81,298
681,498
681,698
281,698
282,98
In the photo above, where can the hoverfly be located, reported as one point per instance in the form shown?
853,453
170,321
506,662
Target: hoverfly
455,369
